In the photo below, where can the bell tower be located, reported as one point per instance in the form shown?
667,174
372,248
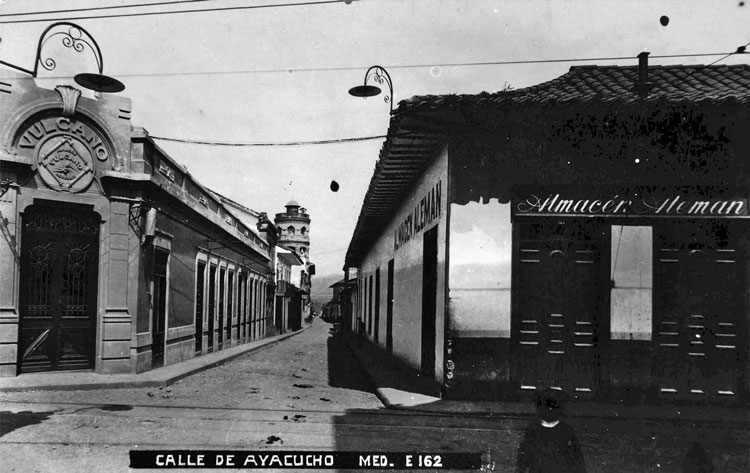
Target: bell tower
294,229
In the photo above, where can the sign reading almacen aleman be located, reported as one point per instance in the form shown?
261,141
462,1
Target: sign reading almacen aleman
663,203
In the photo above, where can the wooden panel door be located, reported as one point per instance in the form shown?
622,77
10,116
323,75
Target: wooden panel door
699,306
558,295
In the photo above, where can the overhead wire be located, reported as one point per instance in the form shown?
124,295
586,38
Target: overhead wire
268,144
740,50
407,66
377,137
339,250
171,12
108,7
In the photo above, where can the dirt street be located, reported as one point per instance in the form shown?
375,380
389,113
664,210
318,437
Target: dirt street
308,393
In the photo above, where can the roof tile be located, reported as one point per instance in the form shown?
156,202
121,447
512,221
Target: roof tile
605,83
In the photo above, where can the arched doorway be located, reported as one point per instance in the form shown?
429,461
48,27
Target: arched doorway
58,295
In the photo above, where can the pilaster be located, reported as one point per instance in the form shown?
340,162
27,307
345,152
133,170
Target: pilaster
9,261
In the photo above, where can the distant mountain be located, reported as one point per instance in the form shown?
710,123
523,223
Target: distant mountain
321,292
480,276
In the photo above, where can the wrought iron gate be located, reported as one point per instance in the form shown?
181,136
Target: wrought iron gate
59,261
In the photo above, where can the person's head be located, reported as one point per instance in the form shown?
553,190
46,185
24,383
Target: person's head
549,404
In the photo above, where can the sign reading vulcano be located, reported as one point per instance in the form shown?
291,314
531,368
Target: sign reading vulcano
677,204
428,210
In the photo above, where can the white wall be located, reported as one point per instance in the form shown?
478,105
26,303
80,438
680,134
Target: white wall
407,297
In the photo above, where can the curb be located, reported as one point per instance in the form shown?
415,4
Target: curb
380,391
149,379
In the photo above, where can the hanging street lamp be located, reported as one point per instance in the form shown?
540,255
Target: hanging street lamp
79,40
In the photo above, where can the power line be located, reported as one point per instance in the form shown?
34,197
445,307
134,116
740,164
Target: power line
328,252
268,144
196,10
110,7
740,50
408,66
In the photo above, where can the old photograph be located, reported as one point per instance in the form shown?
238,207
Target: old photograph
375,235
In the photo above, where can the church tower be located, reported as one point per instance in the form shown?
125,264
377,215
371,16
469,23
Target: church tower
294,229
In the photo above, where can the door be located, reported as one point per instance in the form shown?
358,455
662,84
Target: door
558,295
376,336
389,309
699,309
429,302
222,275
58,296
199,288
230,308
211,306
159,308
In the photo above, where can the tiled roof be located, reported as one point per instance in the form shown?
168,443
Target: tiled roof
611,84
421,125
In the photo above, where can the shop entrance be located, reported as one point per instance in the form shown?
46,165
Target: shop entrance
429,302
559,290
700,304
58,296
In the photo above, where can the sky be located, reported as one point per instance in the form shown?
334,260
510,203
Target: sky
282,74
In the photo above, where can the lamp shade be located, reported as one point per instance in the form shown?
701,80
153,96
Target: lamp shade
364,91
99,83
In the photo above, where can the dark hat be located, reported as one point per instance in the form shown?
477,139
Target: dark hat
549,398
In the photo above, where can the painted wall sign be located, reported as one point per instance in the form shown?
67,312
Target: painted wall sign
166,171
43,130
674,203
425,212
65,152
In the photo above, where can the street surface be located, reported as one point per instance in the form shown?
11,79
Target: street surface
307,393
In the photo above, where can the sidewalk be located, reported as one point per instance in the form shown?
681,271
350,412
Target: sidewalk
399,388
78,381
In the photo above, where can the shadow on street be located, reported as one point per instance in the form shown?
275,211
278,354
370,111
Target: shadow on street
10,421
343,369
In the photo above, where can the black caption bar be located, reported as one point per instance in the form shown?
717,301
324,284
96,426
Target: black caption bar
303,460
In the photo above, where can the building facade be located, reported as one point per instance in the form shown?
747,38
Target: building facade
589,233
339,308
290,298
114,258
293,230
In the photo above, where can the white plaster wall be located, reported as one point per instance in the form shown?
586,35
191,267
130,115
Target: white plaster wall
407,289
480,269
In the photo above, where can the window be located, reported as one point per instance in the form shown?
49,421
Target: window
290,231
632,282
